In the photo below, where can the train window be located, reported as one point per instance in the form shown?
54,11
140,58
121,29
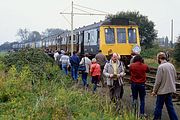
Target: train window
109,35
132,35
89,36
121,35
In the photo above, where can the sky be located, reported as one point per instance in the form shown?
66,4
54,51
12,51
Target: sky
38,15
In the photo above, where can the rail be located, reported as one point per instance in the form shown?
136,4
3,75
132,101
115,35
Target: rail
151,80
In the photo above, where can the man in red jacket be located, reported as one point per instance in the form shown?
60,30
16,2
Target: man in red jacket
138,78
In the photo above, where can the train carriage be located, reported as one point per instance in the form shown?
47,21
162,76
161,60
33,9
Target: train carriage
116,35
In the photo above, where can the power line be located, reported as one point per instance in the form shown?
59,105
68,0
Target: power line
66,19
82,10
91,8
83,13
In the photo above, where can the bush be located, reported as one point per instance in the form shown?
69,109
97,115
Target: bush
24,94
151,52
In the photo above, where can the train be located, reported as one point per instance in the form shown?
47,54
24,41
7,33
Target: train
117,35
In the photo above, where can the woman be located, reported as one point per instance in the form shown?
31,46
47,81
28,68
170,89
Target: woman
87,62
95,71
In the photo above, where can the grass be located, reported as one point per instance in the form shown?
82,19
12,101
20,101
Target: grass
151,62
53,96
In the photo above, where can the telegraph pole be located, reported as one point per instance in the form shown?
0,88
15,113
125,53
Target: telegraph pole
172,30
72,35
172,33
72,15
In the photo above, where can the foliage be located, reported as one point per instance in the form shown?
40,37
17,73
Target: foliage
35,59
146,27
6,46
50,97
52,31
34,36
23,34
151,52
177,52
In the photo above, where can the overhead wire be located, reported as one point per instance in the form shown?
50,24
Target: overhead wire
82,10
91,8
66,19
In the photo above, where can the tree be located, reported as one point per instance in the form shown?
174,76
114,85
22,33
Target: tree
51,31
146,27
5,46
34,36
177,50
23,34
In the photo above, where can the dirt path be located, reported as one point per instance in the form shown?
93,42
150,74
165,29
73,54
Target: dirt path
150,101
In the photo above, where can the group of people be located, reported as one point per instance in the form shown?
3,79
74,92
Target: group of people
111,71
163,88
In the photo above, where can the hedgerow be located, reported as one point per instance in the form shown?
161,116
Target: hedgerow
34,88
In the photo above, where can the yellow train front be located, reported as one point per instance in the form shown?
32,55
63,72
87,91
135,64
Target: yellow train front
120,36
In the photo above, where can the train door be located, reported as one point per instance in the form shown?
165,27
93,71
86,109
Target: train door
82,42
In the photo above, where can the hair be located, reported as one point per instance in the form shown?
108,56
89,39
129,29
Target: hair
74,52
94,60
161,56
138,58
133,54
86,54
100,51
110,52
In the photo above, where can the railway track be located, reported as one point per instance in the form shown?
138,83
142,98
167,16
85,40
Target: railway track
151,80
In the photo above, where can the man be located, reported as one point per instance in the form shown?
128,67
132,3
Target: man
55,55
101,60
114,73
138,78
65,63
74,60
164,87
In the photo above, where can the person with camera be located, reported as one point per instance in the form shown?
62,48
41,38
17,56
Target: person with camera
113,70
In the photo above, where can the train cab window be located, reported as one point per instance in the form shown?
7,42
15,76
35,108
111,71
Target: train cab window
132,35
121,35
109,35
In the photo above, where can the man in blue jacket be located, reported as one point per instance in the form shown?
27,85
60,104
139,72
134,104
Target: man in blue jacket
74,60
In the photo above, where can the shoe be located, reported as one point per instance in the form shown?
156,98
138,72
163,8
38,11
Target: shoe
143,116
98,85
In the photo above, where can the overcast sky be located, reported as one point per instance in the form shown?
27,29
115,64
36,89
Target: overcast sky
37,15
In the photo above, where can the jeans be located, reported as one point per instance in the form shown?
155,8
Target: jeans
65,69
74,72
84,78
139,89
167,99
95,80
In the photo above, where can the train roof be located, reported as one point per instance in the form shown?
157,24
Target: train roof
118,21
112,21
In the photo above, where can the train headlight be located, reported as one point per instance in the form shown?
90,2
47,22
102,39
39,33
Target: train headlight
136,49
